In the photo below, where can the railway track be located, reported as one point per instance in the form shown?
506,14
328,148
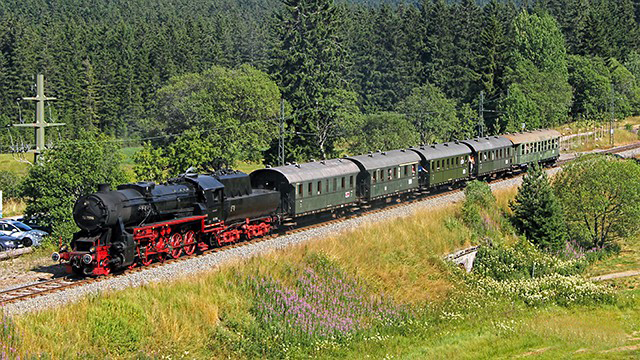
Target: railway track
59,284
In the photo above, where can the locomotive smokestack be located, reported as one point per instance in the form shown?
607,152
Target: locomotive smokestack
104,188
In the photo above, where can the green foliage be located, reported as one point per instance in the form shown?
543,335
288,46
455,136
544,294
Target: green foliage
10,184
150,164
626,88
479,193
591,82
433,115
522,260
229,113
600,199
68,171
479,208
538,64
382,131
537,214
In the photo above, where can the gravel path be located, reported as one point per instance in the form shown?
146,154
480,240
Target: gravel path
210,261
616,275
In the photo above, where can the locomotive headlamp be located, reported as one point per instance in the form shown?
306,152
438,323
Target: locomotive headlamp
64,248
55,257
92,250
87,259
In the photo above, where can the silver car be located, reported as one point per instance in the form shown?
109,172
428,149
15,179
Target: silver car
22,232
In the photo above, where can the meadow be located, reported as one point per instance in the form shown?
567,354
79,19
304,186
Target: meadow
377,291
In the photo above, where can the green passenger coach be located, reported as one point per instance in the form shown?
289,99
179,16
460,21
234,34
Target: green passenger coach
494,154
311,187
386,173
535,146
446,163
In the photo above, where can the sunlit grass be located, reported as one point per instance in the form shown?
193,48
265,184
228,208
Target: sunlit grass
16,164
13,207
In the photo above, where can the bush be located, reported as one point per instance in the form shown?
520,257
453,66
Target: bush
523,260
10,184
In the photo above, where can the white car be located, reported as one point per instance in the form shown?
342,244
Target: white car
22,232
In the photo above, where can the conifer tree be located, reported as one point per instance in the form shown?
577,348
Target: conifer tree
537,214
308,64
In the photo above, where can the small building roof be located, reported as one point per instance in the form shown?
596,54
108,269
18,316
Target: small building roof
532,136
311,171
488,143
439,151
385,159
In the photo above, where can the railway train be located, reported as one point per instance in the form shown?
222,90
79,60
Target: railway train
143,222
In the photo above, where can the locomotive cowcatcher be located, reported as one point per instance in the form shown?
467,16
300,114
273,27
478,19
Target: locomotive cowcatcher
142,222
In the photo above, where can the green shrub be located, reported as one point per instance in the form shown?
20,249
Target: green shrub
10,184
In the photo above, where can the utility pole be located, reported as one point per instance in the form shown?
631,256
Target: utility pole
281,140
481,115
613,114
40,123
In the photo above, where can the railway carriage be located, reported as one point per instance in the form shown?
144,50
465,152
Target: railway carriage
492,155
541,146
310,187
384,174
447,163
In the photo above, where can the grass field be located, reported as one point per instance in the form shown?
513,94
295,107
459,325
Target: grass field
214,316
625,133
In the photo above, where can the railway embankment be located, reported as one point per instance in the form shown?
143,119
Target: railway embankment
381,290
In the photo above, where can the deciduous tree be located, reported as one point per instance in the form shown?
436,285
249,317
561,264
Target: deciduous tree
600,198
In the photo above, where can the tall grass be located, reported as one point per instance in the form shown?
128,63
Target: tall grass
13,207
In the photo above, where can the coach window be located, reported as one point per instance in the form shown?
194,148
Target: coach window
310,189
344,182
406,170
381,175
389,174
319,187
395,173
413,169
335,184
374,176
300,188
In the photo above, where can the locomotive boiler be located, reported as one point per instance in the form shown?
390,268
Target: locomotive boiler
142,222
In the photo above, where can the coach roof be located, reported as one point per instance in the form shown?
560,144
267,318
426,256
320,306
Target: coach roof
439,151
311,171
385,159
532,136
488,143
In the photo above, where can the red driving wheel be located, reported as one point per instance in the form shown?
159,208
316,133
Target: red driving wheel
175,243
190,242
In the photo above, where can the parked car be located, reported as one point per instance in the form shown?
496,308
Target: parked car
23,232
36,223
9,242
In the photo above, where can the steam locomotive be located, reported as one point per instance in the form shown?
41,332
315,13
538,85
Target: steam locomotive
144,222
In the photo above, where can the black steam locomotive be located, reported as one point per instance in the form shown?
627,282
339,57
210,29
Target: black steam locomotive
143,221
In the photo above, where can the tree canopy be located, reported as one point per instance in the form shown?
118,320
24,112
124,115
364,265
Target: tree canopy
600,202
